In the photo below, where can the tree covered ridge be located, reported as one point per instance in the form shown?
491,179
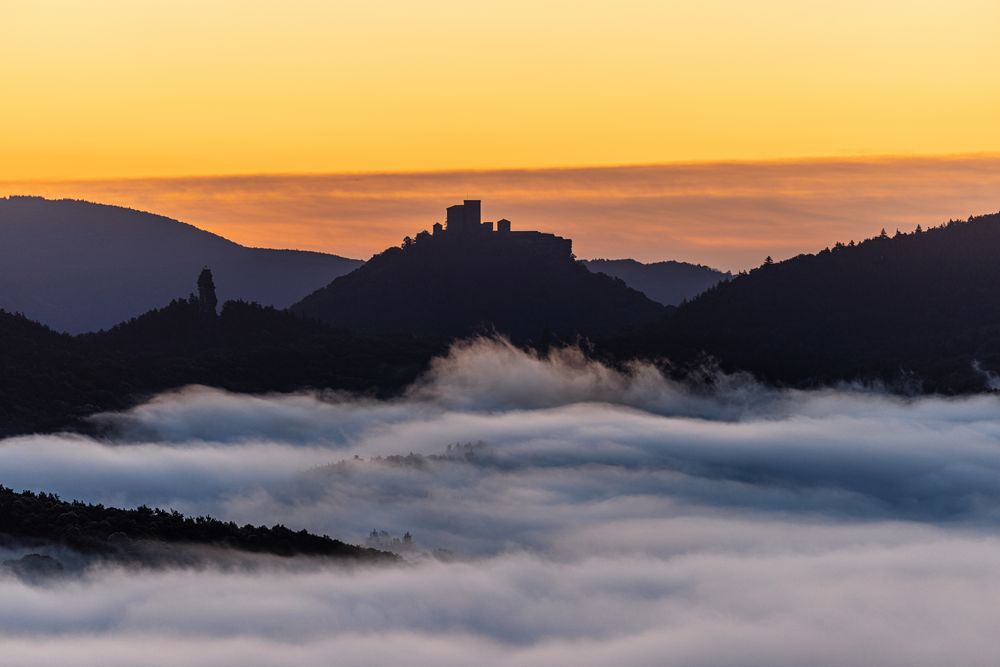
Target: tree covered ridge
54,381
920,307
98,529
454,287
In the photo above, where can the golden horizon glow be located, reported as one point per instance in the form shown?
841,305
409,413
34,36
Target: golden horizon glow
127,88
728,215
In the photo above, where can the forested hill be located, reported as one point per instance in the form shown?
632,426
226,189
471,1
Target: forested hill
921,308
42,519
77,266
54,381
669,283
524,285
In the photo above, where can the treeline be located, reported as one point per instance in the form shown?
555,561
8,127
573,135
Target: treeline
101,530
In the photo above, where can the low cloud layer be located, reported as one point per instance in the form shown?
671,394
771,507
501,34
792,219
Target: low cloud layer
892,597
562,512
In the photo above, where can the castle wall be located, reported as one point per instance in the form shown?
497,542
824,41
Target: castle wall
465,225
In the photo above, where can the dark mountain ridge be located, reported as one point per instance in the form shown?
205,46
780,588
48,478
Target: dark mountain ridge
78,266
919,310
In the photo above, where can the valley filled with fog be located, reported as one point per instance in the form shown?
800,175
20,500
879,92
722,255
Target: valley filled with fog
561,512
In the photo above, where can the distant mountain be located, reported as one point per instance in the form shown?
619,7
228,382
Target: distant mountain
469,279
918,311
668,283
77,266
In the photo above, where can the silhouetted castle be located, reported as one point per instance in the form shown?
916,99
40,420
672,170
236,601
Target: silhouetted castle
464,225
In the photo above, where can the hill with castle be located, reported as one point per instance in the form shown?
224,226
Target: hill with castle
468,276
915,312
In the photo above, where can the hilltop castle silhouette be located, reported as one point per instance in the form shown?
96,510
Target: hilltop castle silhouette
465,226
471,278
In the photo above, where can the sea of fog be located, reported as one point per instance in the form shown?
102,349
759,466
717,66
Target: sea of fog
562,513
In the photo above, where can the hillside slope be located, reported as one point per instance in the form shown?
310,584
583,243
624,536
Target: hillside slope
453,286
919,309
77,266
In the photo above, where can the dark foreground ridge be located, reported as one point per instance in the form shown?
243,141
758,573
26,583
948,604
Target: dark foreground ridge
471,277
43,518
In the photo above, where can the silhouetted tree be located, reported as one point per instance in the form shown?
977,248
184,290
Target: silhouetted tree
207,301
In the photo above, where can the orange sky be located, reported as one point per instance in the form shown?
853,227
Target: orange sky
729,215
127,88
179,106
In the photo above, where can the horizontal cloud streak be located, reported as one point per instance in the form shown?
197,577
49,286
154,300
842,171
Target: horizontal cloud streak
728,215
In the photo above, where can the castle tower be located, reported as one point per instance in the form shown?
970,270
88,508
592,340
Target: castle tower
465,217
473,213
455,218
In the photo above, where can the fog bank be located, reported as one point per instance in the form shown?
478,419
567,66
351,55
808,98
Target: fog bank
562,513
